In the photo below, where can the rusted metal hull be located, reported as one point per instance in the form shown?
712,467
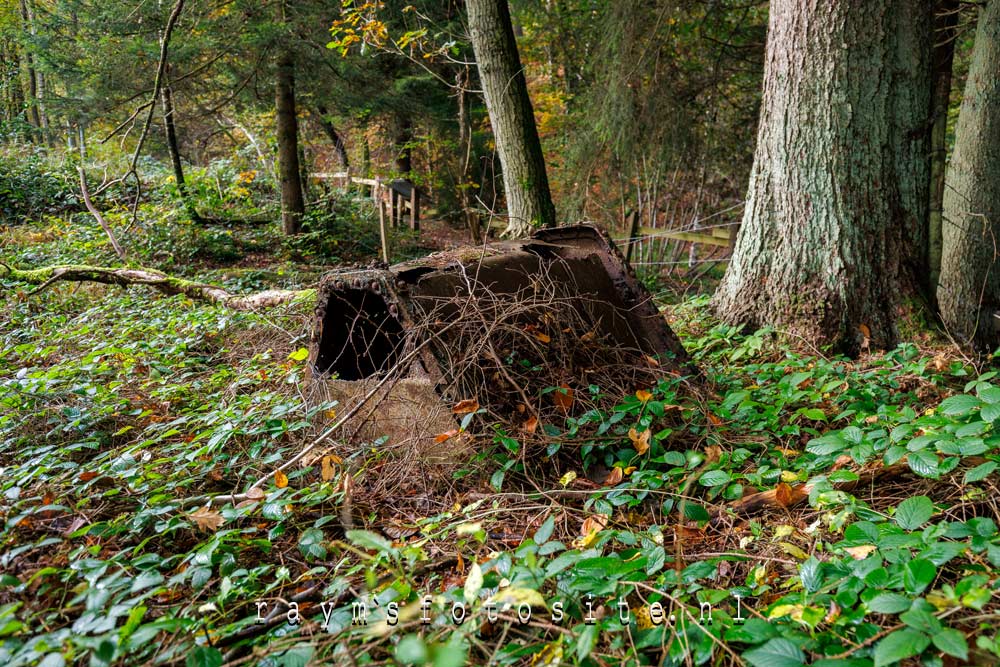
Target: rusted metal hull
369,319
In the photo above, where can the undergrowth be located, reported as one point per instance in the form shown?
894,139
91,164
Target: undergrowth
795,508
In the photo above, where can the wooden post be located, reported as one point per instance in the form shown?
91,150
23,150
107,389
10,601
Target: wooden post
393,207
377,190
414,208
383,232
633,231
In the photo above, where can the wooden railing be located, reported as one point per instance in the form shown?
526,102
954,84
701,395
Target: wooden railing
396,199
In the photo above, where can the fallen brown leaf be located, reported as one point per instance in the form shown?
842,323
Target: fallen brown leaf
465,407
563,397
530,425
206,519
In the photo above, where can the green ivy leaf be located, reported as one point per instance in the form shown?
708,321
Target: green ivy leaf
900,645
918,575
714,478
777,652
980,472
924,463
204,656
889,603
914,512
952,642
955,406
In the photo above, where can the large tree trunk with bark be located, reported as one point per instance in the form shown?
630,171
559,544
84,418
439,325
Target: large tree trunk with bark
945,25
292,201
529,202
969,293
833,235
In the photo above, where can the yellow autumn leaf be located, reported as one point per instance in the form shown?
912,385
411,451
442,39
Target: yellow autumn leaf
280,479
783,530
640,440
643,395
860,552
793,551
550,656
328,470
299,355
792,610
789,476
568,478
515,597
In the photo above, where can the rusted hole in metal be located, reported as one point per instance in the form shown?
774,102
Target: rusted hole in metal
360,338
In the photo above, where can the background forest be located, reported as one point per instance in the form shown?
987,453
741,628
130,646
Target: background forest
811,193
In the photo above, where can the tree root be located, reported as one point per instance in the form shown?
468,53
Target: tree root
157,280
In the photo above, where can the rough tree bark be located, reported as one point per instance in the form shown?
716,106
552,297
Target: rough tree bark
969,293
292,201
526,184
945,24
833,235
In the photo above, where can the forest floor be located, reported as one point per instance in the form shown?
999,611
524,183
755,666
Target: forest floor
785,507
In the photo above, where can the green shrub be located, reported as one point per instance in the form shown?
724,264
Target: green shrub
30,187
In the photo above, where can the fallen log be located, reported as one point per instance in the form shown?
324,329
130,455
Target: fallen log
157,280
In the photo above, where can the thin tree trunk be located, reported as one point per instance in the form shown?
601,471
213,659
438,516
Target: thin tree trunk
969,293
526,184
173,148
323,118
833,235
30,74
292,201
404,151
467,158
945,23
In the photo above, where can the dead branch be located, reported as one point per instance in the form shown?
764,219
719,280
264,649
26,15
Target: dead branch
97,215
157,280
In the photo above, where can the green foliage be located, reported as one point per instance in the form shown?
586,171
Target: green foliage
116,406
31,186
347,231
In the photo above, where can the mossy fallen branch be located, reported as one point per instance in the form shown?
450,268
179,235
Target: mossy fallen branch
162,282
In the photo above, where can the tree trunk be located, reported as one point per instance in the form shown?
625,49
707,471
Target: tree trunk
525,181
331,132
173,148
945,24
466,159
969,293
404,152
292,202
30,75
833,235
